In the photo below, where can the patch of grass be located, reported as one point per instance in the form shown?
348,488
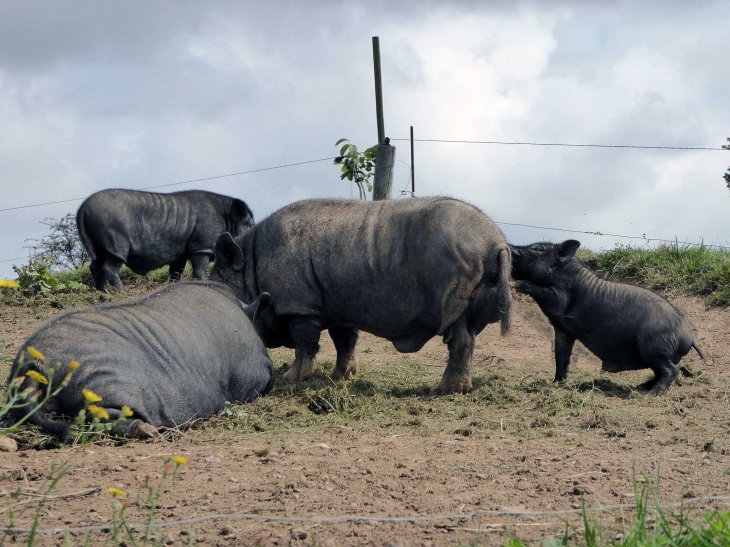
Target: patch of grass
652,526
400,397
674,269
159,276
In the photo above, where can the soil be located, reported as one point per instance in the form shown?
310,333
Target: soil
397,483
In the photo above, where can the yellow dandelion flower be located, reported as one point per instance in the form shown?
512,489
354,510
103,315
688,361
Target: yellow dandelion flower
116,492
127,411
7,284
37,376
179,460
90,396
98,412
35,354
73,365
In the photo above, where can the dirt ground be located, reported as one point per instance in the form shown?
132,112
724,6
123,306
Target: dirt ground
389,471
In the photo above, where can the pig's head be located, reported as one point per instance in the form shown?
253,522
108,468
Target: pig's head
241,218
228,269
256,311
228,266
540,263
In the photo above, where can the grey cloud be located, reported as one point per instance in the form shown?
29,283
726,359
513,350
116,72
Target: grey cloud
132,94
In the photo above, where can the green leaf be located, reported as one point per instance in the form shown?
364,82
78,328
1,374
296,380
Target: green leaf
370,186
343,150
352,151
340,141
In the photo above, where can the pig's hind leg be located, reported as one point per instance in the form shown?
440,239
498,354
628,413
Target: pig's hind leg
656,350
305,331
111,267
457,376
664,375
97,271
345,340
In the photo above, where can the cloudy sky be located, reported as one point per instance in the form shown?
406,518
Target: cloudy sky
135,94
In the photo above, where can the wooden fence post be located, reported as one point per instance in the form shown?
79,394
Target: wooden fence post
384,164
385,158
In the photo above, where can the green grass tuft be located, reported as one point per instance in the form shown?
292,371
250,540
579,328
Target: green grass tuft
669,269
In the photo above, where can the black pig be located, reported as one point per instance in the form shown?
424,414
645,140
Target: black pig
627,327
147,230
176,354
404,270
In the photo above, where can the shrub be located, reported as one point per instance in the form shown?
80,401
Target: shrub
37,278
62,248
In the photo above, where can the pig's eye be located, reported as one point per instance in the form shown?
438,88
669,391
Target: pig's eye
539,249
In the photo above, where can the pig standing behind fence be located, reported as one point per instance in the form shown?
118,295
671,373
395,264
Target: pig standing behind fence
627,327
174,355
404,270
147,230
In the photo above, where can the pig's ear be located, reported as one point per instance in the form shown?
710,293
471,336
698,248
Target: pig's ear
241,213
567,250
228,253
255,308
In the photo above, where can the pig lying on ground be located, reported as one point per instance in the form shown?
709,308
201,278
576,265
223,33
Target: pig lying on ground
174,355
627,327
405,270
147,230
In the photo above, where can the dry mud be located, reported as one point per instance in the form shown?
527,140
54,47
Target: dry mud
369,482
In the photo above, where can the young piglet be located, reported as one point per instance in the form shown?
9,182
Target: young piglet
627,327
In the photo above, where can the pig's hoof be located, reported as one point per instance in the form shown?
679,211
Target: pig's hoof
291,375
294,374
143,430
454,385
657,390
338,374
648,386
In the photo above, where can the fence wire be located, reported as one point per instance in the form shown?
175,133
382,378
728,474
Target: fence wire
571,145
364,518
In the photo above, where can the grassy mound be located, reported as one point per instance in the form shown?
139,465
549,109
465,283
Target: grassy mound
668,269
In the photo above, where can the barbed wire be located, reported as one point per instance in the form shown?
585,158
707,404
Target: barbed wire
463,141
571,145
177,183
362,518
404,192
642,237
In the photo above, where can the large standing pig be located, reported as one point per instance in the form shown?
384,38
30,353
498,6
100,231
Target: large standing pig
172,356
147,230
404,270
627,327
